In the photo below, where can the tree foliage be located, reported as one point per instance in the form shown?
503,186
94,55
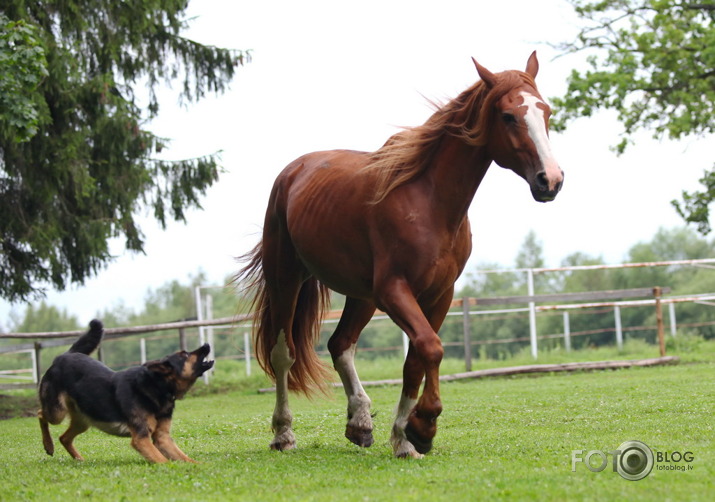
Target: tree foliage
653,62
77,164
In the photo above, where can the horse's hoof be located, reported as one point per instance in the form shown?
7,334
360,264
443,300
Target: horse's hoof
282,446
422,445
406,450
361,437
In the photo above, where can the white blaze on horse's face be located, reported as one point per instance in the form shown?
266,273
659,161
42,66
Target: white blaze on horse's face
535,118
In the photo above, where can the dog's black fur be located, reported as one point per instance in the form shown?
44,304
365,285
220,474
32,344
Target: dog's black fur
137,402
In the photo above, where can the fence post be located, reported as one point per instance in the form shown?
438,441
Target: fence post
142,350
199,313
657,291
182,339
247,352
567,332
37,366
405,344
210,334
619,329
532,313
466,328
671,315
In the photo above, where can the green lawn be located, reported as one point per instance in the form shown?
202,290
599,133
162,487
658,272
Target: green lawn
498,438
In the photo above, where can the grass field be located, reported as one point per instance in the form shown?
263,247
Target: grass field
498,438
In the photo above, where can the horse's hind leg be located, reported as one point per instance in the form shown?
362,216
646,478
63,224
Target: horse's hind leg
342,346
283,275
282,421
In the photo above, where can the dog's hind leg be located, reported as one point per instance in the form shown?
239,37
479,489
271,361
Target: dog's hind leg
53,411
166,445
46,437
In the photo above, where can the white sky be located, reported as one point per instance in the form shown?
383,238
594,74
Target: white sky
328,75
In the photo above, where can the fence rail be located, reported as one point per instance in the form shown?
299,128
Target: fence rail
613,299
42,340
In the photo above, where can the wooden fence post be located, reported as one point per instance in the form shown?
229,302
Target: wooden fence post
466,328
657,292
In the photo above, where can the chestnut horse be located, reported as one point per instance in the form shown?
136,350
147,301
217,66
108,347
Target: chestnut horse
388,230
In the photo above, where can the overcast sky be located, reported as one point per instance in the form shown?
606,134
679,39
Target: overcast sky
329,74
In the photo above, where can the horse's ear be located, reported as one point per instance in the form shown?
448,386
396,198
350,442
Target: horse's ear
487,76
532,65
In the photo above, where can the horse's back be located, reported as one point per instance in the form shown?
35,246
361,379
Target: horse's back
323,200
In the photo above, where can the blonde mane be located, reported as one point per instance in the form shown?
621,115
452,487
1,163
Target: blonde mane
408,153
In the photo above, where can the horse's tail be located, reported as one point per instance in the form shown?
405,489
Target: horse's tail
308,373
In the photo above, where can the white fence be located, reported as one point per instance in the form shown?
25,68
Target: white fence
240,325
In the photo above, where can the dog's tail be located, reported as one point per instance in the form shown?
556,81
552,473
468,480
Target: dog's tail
90,340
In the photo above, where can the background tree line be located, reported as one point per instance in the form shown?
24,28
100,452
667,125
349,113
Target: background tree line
176,301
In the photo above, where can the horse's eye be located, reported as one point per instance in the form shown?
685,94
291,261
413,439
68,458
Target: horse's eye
508,118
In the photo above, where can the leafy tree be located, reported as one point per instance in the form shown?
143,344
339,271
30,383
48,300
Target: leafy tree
653,62
77,164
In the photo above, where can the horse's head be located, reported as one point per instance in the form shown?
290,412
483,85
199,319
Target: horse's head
518,137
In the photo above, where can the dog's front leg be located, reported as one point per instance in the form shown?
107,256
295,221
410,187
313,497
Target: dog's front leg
77,427
165,443
141,442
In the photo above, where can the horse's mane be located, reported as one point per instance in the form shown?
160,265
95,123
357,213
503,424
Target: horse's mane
408,153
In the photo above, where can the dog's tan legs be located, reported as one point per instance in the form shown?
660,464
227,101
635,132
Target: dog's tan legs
166,445
141,441
146,448
46,438
76,428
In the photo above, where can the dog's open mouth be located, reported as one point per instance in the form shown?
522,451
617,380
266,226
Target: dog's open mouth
205,366
202,365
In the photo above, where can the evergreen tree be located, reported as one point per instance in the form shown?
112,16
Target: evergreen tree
76,162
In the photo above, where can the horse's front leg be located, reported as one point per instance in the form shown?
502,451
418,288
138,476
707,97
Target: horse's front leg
413,372
416,422
342,346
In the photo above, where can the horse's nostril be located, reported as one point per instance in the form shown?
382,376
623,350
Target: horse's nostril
542,182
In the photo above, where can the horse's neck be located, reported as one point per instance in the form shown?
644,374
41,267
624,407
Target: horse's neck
455,174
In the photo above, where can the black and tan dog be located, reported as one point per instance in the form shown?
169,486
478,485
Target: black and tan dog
137,402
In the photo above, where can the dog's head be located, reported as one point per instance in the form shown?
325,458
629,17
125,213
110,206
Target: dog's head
181,369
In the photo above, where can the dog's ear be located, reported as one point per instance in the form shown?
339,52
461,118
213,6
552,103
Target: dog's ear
172,364
161,367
